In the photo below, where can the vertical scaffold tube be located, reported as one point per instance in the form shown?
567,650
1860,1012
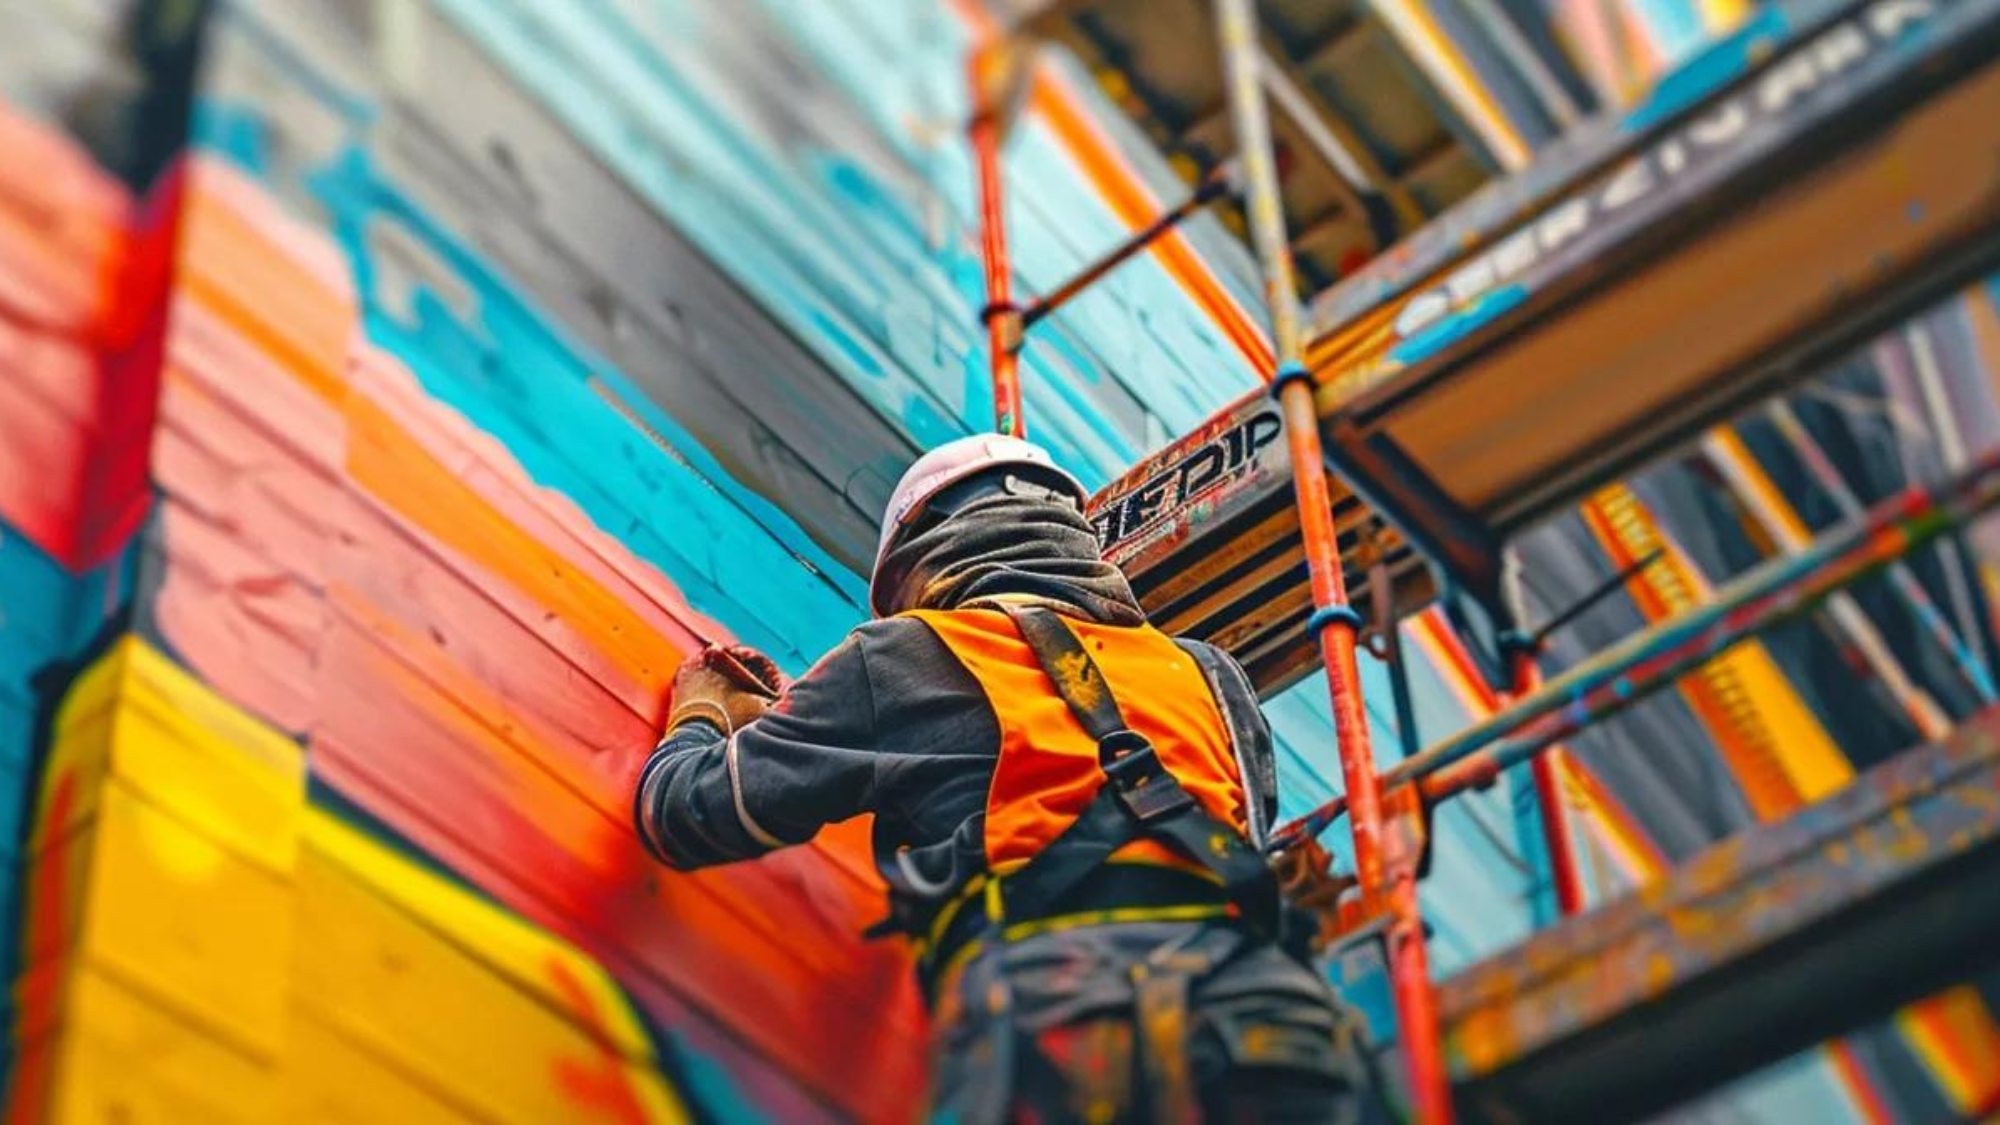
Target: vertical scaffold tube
1001,317
1393,876
1543,769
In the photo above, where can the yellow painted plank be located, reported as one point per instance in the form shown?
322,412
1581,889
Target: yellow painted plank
423,1000
134,668
205,783
533,959
1773,744
137,717
1416,28
173,914
328,1080
177,857
117,1058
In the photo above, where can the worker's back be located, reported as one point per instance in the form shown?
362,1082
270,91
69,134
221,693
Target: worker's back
1066,807
1047,770
1148,986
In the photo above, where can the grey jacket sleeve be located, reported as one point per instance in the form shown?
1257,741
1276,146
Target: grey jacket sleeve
810,761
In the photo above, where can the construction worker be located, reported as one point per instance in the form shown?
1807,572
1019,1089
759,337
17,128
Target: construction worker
1065,806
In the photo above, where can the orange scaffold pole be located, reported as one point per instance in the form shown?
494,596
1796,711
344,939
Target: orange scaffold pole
1563,870
1385,861
1001,316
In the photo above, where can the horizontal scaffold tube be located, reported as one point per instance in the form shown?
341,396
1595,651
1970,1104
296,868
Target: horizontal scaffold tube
1774,591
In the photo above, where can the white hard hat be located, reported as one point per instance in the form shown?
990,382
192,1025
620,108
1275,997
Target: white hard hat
945,466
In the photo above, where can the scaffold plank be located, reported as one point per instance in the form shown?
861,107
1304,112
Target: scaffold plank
1850,182
1778,938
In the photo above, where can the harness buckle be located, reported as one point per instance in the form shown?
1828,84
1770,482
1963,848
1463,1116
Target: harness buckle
1139,781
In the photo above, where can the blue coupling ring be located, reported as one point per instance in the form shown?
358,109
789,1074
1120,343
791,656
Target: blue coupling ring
1289,372
1326,615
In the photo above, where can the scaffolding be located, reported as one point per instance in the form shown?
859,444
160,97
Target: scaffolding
1564,329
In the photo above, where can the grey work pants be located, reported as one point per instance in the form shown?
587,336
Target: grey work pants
1160,1022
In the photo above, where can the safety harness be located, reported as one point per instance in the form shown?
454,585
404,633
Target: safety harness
1074,880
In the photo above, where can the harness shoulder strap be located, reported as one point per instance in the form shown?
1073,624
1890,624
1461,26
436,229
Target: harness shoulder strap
1249,737
1074,673
1140,797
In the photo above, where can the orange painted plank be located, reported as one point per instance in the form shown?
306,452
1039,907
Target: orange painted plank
273,525
247,262
212,367
435,606
491,471
773,892
216,454
628,657
1955,1033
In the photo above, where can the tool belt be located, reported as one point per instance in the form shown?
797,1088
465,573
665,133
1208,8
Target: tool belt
1121,893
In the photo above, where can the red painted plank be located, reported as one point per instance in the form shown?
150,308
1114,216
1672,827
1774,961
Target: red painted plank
763,948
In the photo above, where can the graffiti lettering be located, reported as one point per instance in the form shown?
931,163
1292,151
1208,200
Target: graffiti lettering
1184,477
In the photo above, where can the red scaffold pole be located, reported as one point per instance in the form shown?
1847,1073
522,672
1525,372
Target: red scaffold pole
1001,317
1385,861
1563,871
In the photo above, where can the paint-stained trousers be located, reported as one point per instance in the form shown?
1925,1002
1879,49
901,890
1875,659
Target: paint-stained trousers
1162,1022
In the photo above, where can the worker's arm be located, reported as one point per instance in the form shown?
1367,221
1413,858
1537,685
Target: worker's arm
706,798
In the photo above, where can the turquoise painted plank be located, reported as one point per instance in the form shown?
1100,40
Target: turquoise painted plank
48,613
513,373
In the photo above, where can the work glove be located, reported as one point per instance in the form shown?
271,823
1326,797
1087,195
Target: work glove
729,685
1308,881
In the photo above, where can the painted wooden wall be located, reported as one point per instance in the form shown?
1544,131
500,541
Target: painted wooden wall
363,479
410,431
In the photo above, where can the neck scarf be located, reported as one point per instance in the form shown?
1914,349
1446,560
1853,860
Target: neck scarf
1011,545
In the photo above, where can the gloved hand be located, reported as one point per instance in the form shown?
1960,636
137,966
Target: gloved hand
1307,879
729,685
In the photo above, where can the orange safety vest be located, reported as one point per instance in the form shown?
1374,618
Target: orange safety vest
1113,751
1048,771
